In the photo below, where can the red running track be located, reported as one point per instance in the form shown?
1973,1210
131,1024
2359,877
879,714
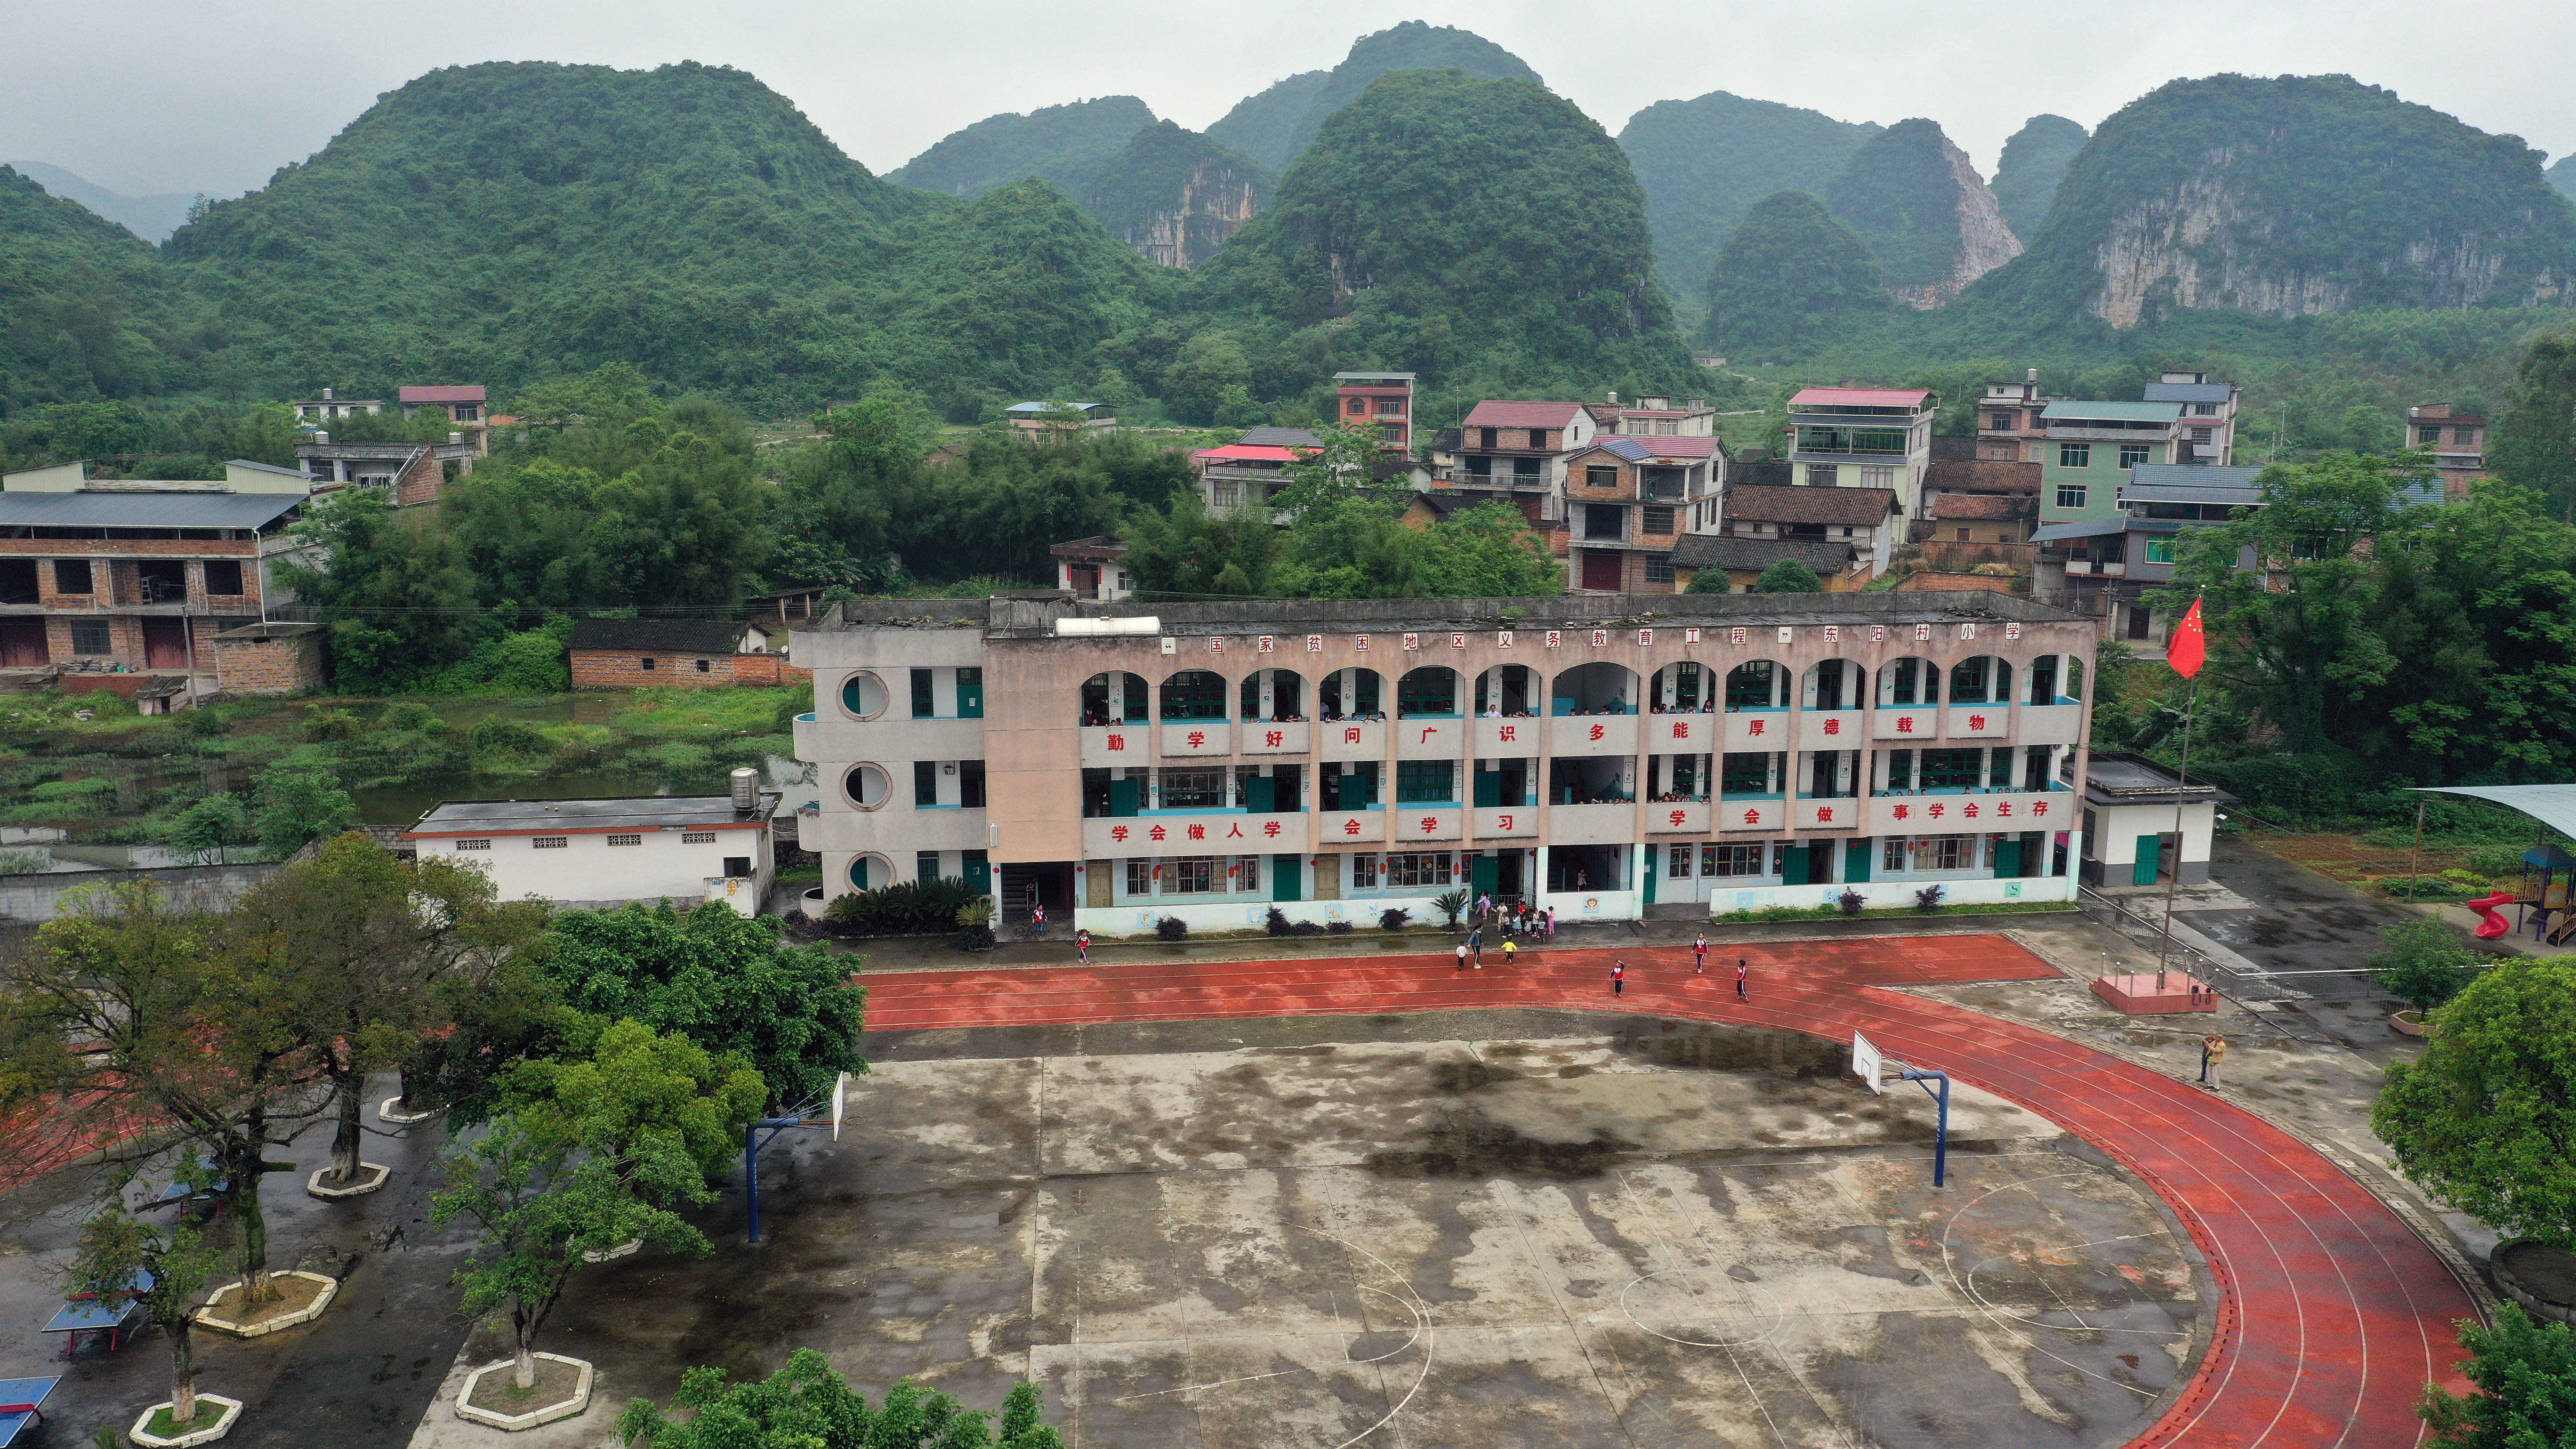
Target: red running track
2332,1314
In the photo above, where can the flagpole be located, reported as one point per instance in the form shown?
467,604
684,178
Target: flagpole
2190,625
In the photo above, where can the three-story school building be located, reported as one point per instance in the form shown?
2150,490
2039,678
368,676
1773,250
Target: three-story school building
1609,756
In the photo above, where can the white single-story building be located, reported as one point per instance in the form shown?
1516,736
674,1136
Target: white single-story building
2130,823
592,853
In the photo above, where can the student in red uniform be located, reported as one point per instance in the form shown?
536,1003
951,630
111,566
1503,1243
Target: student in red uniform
1699,954
1740,994
1082,946
1618,978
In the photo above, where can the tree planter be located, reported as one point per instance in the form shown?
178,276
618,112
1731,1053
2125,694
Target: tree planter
2410,1023
495,1412
2540,1278
371,1176
390,1111
142,1432
227,1300
625,1249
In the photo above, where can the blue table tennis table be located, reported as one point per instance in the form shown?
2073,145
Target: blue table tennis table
22,1402
112,1317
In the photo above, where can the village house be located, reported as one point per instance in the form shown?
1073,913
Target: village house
1858,437
596,853
2008,425
105,582
1049,419
1865,519
465,406
2208,424
326,409
2456,440
1093,568
1743,560
410,474
683,653
1626,502
2091,449
1382,399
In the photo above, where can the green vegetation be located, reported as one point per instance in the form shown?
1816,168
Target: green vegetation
1449,197
2034,163
1789,275
809,1405
2482,1120
1148,177
1065,145
1899,196
83,314
2424,964
1706,163
1352,548
2535,440
1788,576
2526,1374
1275,127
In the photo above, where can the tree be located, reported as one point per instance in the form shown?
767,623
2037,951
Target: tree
2424,964
728,982
2484,1118
1711,579
542,1204
1787,278
130,1022
207,826
298,806
117,1250
2527,1372
1788,576
2535,440
359,941
1490,552
639,1097
1342,467
809,1405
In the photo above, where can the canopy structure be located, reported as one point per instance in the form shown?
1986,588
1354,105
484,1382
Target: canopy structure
2551,805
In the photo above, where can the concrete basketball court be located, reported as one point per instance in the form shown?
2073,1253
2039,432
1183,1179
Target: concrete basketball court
1683,1234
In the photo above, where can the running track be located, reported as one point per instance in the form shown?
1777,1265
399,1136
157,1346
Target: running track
2332,1315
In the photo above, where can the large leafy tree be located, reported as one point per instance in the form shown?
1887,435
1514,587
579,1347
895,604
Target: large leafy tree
728,982
161,1269
808,1405
2526,1372
2535,440
2486,1119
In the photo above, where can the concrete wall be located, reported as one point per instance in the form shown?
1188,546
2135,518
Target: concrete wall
34,899
586,868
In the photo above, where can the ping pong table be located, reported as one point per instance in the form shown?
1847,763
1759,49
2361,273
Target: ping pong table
22,1402
113,1318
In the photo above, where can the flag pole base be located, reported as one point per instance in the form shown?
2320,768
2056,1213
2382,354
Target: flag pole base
2138,995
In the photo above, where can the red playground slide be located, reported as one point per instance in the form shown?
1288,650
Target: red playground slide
2493,925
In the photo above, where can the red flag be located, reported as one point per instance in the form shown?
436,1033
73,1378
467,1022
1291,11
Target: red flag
2189,646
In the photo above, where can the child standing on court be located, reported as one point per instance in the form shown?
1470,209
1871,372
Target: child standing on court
1082,946
1618,978
1699,954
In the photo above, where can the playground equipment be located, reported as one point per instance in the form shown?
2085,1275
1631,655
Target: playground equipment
2548,874
2491,925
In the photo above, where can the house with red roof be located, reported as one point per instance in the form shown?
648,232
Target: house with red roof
1862,437
465,404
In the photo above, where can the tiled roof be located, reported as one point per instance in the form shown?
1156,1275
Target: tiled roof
1956,583
679,636
155,508
1858,397
1246,453
1982,475
1099,545
1498,413
1723,551
1851,507
471,392
1983,505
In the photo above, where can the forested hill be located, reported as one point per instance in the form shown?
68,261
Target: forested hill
1427,228
1705,162
2289,195
509,222
1277,125
2034,163
1063,144
84,311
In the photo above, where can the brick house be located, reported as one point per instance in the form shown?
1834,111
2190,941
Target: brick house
1626,501
1867,519
1982,511
465,406
106,582
2457,442
270,658
686,653
1742,560
414,473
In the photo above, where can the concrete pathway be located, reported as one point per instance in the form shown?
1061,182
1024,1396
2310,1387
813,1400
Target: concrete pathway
2335,1311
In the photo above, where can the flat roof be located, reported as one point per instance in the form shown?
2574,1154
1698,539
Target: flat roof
2119,412
93,509
2189,392
1250,453
1392,376
639,812
461,393
1859,397
2117,779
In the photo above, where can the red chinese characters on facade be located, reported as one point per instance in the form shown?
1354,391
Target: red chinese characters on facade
1427,732
1117,742
2038,807
1502,822
1273,738
1905,724
1198,832
2003,807
1976,721
1156,833
1937,811
1510,732
1598,730
1971,811
1234,832
1270,828
1350,827
1681,729
1198,739
1680,818
1430,823
1753,816
1351,736
1753,727
1118,833
1904,811
1833,726
1824,815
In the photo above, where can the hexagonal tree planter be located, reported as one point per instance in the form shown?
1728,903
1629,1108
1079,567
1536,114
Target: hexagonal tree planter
225,1310
390,1110
371,1176
142,1433
490,1395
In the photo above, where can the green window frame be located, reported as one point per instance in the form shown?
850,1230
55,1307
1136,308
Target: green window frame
1426,782
2075,455
2133,454
921,699
2160,550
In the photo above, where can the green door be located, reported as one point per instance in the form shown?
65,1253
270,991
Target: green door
1285,873
859,874
1856,861
1651,872
2008,859
970,694
1793,871
1489,787
1261,795
2150,847
1484,874
1123,796
979,872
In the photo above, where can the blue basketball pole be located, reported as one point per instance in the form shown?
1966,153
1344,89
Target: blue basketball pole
752,1142
1940,1140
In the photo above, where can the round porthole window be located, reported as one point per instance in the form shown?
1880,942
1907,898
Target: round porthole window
867,786
863,696
871,872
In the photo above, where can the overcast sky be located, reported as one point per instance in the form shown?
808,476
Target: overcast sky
147,96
